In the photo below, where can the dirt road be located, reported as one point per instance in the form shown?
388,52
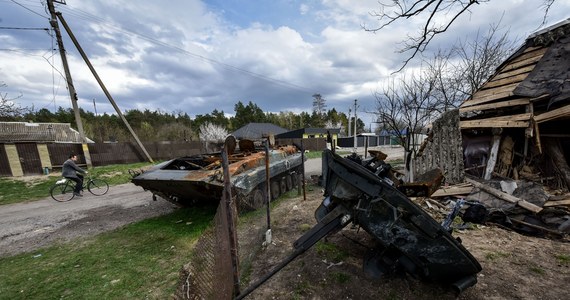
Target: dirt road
25,227
28,226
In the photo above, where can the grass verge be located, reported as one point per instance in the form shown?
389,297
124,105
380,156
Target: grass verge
138,261
14,190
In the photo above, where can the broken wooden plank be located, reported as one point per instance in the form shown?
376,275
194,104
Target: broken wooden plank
505,81
515,72
452,191
493,157
488,98
538,51
502,195
556,203
488,123
494,91
508,103
525,62
563,111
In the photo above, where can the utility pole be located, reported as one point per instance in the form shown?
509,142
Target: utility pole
349,121
70,86
355,118
86,59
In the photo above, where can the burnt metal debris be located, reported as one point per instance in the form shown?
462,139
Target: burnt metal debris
199,178
407,239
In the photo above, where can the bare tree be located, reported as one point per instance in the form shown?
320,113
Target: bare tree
8,108
406,105
431,11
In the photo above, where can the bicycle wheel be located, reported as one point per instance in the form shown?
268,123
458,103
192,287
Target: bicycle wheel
98,187
62,192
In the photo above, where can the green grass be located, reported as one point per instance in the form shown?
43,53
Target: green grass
563,259
340,277
331,252
313,154
496,255
14,190
537,270
141,260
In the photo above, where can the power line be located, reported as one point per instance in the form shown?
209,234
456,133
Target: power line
24,28
28,9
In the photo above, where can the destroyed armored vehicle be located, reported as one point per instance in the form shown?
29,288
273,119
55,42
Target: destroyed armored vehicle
407,238
199,178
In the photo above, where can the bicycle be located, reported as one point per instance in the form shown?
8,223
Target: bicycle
62,190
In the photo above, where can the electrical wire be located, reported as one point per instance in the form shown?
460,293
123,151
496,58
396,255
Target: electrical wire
28,9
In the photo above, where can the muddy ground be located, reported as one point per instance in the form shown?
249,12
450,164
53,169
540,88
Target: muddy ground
514,266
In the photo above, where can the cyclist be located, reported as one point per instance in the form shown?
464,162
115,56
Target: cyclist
71,171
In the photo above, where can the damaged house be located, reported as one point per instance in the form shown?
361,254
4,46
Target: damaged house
516,124
510,140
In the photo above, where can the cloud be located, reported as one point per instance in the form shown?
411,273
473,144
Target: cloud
196,56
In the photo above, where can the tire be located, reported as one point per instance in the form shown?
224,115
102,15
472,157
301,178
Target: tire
62,192
98,187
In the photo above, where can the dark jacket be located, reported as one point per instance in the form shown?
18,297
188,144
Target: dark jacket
70,169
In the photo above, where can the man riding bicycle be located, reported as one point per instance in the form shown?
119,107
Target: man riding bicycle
71,171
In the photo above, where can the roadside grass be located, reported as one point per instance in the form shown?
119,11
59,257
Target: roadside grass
30,188
138,261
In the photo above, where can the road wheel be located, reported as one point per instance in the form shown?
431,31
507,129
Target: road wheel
274,189
289,181
256,199
283,185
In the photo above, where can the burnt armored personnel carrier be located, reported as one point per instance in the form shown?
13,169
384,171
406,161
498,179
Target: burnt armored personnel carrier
199,178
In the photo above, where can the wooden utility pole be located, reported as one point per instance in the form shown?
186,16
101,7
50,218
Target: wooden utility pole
355,118
70,86
102,85
53,22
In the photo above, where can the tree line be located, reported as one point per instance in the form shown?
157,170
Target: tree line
152,126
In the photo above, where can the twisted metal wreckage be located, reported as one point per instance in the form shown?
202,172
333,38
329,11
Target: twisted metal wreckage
407,239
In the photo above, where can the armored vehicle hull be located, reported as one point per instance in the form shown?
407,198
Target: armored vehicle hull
407,238
199,178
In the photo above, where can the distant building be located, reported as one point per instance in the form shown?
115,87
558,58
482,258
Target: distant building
257,131
307,133
24,146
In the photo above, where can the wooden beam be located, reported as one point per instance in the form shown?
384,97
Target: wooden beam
518,117
523,63
451,191
563,111
504,196
492,157
496,105
493,124
556,203
494,91
504,81
487,99
539,51
515,72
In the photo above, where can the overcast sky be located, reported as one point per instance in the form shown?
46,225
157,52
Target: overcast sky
197,56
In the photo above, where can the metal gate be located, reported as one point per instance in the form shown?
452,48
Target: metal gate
29,158
5,169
